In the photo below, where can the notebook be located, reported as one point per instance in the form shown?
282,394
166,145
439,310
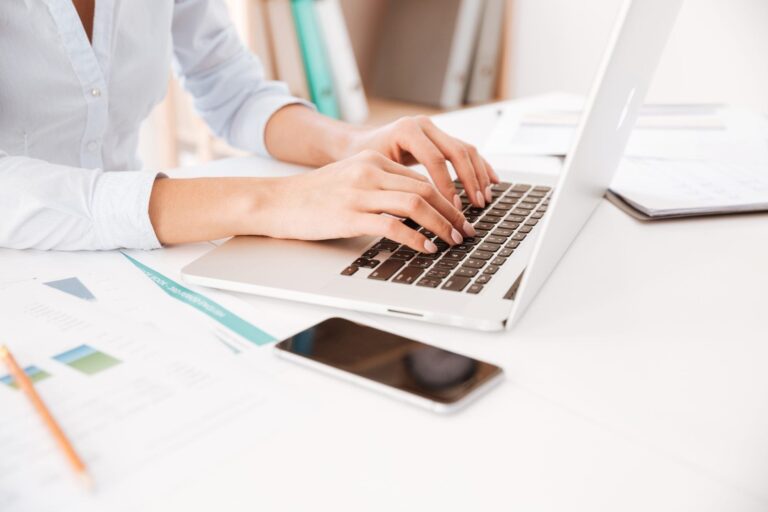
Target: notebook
315,53
289,64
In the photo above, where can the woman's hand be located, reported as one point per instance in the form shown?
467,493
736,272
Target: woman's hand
346,199
413,140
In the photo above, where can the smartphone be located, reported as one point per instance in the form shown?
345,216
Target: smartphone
418,373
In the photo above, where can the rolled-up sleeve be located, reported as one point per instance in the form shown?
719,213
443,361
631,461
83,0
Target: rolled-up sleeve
47,206
226,81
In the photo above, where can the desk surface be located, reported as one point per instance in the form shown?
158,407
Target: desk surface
636,381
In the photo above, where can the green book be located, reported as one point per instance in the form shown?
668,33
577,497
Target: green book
315,55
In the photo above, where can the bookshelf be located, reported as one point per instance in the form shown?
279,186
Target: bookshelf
184,137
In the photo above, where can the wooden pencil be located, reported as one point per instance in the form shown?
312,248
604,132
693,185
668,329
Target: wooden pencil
26,386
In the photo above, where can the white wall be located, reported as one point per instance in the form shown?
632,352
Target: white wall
718,51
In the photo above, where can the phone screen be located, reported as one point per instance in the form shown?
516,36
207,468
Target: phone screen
392,360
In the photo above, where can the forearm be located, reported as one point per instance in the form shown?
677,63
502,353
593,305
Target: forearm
194,210
300,135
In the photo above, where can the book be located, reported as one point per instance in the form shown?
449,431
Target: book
289,64
485,64
425,50
346,76
316,62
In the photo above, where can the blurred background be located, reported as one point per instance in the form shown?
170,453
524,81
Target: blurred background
476,51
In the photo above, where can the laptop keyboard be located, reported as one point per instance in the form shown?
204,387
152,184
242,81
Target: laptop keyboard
501,226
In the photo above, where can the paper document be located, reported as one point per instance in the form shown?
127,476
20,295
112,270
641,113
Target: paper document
696,135
141,408
668,187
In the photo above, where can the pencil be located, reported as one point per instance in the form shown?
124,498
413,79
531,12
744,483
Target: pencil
25,384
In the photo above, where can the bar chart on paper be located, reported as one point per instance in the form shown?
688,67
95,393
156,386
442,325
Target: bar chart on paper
34,373
87,360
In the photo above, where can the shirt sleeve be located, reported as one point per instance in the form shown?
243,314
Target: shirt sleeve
47,206
227,81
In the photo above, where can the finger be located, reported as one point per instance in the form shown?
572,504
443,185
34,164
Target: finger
393,167
491,171
458,153
424,150
394,229
411,206
432,196
482,174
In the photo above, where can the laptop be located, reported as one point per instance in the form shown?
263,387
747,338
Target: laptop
487,282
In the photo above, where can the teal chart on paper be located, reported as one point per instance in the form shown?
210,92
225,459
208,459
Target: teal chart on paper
206,306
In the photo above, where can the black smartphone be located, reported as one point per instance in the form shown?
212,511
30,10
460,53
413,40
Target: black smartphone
421,374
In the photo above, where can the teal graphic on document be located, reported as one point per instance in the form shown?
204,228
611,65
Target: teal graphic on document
206,306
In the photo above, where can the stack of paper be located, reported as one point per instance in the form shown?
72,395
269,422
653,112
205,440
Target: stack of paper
681,160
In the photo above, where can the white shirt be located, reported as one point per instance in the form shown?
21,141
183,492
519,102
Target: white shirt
70,111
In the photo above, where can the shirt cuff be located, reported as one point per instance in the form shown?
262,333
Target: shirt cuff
121,210
250,125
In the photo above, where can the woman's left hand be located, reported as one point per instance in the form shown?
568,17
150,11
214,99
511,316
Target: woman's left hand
412,140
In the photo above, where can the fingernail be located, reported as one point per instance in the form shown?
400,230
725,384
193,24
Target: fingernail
430,247
457,202
488,195
456,236
480,199
469,229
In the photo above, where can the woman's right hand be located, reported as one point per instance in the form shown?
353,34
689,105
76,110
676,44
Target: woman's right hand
347,199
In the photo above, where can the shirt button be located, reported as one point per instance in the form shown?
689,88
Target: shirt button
93,146
95,92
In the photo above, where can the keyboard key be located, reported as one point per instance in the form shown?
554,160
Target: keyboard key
408,275
507,200
411,223
455,255
462,247
484,225
515,218
483,279
490,220
506,252
536,193
441,245
370,253
481,233
519,236
475,289
512,244
541,209
505,207
531,222
521,212
438,273
482,255
428,282
473,263
537,215
501,187
526,229
465,272
456,283
365,262
521,187
475,211
502,232
509,225
427,233
386,246
471,240
447,264
491,269
496,212
496,239
386,269
349,270
403,254
499,261
421,262
525,206
542,189
488,247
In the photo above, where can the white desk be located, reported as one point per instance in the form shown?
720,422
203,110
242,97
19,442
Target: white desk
637,381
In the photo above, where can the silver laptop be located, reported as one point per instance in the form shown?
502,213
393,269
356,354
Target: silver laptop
488,281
